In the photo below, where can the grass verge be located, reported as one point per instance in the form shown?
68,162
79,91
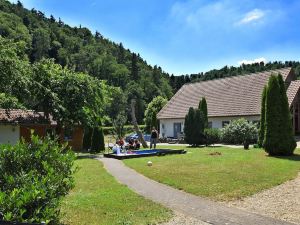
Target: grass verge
99,199
234,174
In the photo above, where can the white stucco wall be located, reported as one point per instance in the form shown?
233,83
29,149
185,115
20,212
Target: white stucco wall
167,125
9,134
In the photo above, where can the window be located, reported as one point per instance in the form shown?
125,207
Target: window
209,125
224,123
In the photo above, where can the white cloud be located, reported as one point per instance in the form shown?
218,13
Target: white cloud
244,61
252,16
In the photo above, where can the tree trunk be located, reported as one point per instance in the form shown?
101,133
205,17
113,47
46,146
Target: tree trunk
135,124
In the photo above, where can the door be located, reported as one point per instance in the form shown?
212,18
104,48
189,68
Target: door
177,129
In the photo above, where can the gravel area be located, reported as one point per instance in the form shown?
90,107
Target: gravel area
281,202
180,219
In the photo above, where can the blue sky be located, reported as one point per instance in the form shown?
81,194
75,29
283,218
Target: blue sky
189,36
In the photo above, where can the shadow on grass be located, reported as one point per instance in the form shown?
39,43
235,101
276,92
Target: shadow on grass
87,155
295,157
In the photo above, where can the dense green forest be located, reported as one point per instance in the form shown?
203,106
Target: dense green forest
79,76
77,49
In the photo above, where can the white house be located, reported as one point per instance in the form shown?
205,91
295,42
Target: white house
227,99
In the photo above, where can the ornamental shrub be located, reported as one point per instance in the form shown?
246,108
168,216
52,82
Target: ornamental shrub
203,108
279,138
98,144
198,128
239,131
194,127
33,179
188,126
87,138
212,136
288,142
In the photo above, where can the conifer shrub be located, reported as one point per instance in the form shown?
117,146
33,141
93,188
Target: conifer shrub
203,109
87,138
98,144
279,138
262,118
194,127
198,128
188,126
33,179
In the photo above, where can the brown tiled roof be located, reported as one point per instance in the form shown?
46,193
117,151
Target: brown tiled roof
232,96
19,116
293,90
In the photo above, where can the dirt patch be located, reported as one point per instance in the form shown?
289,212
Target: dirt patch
215,153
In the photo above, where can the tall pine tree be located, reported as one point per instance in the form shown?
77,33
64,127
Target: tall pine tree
262,118
134,67
272,128
279,138
288,143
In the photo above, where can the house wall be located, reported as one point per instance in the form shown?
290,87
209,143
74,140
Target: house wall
9,134
75,142
167,125
25,131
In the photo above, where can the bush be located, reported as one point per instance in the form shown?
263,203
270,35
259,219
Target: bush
98,144
87,138
212,136
240,131
194,127
33,179
279,138
261,134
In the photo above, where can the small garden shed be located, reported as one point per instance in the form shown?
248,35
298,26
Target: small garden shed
16,124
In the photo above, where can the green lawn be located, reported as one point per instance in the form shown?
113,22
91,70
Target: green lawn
99,199
234,174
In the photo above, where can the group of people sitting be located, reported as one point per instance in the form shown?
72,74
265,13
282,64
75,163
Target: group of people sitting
121,146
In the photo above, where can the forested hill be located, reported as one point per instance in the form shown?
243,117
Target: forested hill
177,81
83,52
79,49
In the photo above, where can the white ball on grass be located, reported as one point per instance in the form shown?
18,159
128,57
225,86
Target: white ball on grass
149,163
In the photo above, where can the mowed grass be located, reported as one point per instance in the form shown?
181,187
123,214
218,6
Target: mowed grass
234,174
99,199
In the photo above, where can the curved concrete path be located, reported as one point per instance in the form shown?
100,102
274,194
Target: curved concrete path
188,204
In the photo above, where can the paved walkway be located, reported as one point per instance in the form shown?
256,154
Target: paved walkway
187,204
